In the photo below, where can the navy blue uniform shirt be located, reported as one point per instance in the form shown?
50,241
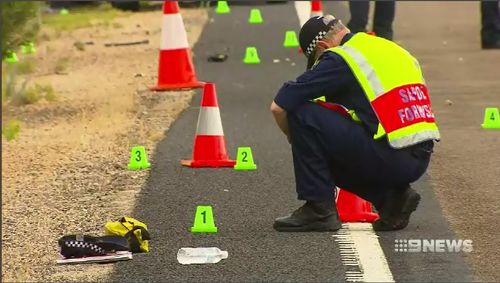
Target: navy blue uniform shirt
331,78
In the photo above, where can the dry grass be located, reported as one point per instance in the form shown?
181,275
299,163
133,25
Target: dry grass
61,66
72,154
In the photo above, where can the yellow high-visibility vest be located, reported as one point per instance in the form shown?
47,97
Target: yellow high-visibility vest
392,81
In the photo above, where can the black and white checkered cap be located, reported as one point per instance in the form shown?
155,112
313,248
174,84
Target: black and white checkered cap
84,245
313,43
312,32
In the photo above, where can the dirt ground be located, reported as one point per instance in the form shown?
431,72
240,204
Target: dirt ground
66,172
465,169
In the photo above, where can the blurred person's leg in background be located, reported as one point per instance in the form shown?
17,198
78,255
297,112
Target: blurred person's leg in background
359,15
490,29
383,17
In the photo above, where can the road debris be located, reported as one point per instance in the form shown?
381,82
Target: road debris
146,41
219,57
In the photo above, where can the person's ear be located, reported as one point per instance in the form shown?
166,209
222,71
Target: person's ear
323,44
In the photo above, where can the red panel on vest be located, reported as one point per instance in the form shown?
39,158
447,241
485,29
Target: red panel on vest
335,107
404,106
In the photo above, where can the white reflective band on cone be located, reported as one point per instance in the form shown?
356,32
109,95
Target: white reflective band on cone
173,34
209,123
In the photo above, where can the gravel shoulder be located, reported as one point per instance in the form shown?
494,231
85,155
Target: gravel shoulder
67,170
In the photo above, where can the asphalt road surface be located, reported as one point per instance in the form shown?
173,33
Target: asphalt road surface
246,203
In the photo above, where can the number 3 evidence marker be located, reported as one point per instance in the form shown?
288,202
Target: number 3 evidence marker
138,158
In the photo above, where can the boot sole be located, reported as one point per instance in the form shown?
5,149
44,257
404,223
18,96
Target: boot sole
408,207
318,226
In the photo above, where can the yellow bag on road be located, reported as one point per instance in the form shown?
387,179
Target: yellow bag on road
134,230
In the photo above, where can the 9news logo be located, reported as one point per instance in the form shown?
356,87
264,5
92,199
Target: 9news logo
432,245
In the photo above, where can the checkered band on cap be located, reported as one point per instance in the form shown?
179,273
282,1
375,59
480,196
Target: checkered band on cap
313,43
78,244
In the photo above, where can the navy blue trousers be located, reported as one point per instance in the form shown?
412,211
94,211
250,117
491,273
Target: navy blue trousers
331,150
382,18
490,20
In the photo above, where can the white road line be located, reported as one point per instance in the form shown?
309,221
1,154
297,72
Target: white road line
359,248
361,253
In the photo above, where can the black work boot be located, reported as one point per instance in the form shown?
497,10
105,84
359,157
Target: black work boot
396,209
312,216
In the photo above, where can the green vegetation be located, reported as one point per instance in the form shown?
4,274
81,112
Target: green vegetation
20,94
81,17
11,129
49,93
29,96
36,93
19,23
26,66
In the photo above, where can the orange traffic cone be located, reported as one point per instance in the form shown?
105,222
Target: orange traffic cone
176,70
209,146
352,208
316,8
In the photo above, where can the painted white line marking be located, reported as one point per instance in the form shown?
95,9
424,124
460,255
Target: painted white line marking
360,251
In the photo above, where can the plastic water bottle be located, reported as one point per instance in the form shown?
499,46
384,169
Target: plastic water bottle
200,255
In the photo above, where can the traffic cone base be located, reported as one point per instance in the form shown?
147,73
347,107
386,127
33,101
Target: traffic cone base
210,152
204,220
208,163
491,118
188,85
352,208
244,159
